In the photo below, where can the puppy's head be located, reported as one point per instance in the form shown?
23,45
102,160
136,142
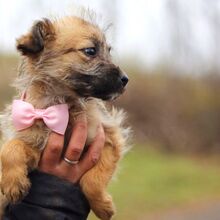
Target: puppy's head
75,54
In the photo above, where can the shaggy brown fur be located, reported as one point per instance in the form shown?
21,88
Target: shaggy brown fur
59,66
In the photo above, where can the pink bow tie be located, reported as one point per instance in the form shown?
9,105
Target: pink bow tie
55,117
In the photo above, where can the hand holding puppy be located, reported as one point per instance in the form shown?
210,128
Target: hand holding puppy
53,163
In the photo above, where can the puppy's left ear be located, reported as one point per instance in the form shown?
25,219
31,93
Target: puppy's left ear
34,42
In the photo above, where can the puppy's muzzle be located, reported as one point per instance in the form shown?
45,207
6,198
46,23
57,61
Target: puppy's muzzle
108,83
121,77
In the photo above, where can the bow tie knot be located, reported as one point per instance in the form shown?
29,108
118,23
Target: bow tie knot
56,117
39,113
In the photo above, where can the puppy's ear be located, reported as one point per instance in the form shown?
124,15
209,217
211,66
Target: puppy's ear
35,41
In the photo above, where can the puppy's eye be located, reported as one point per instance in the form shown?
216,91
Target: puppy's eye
90,51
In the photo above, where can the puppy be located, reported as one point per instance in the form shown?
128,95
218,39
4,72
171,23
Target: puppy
64,62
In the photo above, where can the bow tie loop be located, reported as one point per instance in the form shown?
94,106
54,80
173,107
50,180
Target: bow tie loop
55,117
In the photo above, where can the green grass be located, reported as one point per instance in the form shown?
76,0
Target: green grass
151,181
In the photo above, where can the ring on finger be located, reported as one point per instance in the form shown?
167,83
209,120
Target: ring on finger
71,162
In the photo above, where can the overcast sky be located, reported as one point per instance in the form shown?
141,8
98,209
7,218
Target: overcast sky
141,26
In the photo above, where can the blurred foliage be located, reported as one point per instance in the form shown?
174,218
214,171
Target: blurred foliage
174,112
149,181
8,66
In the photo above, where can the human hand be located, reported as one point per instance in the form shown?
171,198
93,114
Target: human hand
51,161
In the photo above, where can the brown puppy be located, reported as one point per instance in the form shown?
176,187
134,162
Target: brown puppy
65,61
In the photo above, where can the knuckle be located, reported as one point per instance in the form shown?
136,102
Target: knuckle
82,126
76,150
95,157
55,148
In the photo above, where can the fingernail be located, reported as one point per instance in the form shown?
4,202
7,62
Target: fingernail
100,128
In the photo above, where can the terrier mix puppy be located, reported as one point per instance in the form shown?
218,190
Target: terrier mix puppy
65,62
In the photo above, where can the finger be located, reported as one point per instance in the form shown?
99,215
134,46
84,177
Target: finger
52,153
94,152
77,140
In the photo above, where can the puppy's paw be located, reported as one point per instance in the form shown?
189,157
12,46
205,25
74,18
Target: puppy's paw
104,208
14,188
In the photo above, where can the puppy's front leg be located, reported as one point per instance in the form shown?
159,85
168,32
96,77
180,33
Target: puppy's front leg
95,181
16,159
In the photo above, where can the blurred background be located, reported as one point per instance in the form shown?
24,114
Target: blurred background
170,49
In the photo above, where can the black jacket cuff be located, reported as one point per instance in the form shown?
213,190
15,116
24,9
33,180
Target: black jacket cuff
50,198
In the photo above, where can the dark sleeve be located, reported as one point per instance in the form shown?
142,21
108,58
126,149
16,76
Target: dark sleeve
50,198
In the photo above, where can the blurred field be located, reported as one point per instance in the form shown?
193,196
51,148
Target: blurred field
149,181
173,113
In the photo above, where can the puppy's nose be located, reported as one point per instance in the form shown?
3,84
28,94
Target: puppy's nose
124,80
